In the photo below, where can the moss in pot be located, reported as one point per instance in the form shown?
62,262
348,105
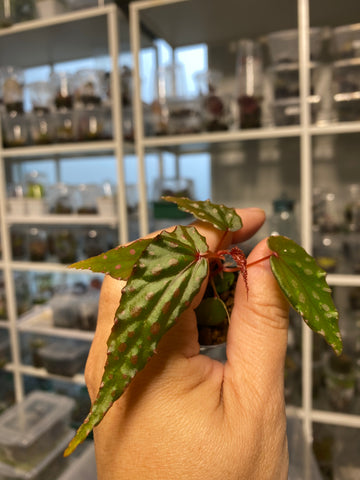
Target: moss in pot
163,274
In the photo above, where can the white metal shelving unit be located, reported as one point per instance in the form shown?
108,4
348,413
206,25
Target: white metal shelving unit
166,22
70,36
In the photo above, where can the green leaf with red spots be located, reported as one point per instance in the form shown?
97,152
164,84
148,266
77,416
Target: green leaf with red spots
165,280
117,262
221,217
304,285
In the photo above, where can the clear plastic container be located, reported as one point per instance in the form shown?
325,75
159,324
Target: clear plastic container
49,467
65,358
287,110
283,45
91,123
175,110
32,428
90,86
249,83
184,116
40,94
346,41
215,106
41,127
65,124
347,106
7,13
82,468
63,86
12,82
346,74
15,130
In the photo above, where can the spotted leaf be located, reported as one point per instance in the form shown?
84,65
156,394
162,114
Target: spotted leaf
117,262
303,283
221,217
166,278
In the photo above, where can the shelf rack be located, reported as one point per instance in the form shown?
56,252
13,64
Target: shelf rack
68,37
199,30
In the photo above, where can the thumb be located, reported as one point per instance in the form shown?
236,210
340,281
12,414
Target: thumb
257,337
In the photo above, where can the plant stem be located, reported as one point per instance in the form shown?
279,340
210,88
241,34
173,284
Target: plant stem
221,240
260,260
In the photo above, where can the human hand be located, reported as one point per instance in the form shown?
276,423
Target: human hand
186,416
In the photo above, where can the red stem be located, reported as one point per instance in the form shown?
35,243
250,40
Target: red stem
260,260
221,239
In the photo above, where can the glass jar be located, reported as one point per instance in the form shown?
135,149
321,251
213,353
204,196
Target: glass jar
215,108
41,127
63,88
93,244
340,382
15,130
37,244
12,81
283,220
7,13
175,111
91,124
90,87
61,199
41,95
249,77
87,198
65,246
18,243
65,126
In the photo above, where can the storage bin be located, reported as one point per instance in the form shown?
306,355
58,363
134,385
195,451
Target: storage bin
287,111
48,468
283,45
82,468
346,41
347,107
32,428
65,358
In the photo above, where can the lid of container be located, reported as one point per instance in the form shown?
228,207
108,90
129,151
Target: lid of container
24,423
292,33
347,97
347,28
284,102
347,62
30,472
290,66
63,352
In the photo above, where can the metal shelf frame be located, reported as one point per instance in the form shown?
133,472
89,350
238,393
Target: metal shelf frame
305,132
111,20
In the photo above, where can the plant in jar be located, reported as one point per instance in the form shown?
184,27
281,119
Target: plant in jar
164,273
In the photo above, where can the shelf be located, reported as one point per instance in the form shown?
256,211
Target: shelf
204,141
40,320
60,38
343,280
72,219
77,379
211,23
45,267
101,147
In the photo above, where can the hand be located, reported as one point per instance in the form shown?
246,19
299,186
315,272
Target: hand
188,417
